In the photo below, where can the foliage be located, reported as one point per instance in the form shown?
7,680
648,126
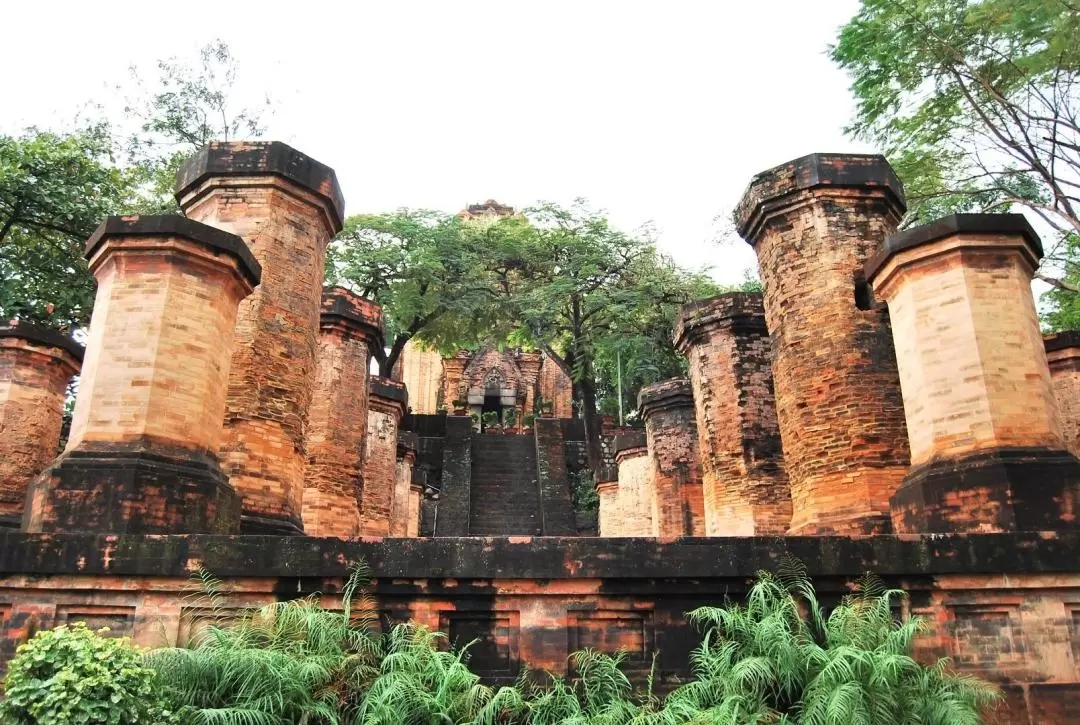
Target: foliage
73,675
288,662
436,277
976,104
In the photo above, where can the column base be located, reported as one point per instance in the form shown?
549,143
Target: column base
259,523
126,489
1015,489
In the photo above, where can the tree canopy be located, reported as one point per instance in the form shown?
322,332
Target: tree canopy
976,104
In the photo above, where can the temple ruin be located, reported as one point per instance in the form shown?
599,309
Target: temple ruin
887,404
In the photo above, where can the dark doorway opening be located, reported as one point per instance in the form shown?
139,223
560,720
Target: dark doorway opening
492,404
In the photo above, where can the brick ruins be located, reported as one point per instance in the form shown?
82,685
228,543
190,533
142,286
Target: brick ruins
888,404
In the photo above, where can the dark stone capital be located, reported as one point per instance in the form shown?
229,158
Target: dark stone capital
772,190
262,158
629,440
739,312
673,394
43,336
388,393
174,225
342,309
1063,340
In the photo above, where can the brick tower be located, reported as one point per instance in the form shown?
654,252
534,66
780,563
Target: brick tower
813,222
36,366
667,408
286,206
142,454
727,346
987,452
387,402
350,327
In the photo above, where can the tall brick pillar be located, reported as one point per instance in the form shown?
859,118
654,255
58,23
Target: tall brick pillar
814,222
987,451
633,506
406,459
453,370
142,453
349,329
286,206
667,408
608,515
387,401
1063,356
416,497
730,358
36,366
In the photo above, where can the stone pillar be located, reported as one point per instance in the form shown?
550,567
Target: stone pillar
987,451
416,496
406,459
350,328
814,222
608,515
730,359
36,366
633,508
667,408
1063,356
387,402
142,453
286,206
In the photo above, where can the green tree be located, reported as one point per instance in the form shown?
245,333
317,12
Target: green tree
976,104
439,279
54,190
73,675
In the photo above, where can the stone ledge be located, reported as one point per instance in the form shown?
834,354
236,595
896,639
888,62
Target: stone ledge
629,440
262,158
388,389
672,393
42,336
527,557
1063,340
356,312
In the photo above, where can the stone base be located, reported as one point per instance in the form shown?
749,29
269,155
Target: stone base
258,523
118,489
1020,489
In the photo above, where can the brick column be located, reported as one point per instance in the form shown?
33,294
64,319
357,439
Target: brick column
987,451
36,366
608,516
633,507
142,453
406,459
453,370
387,401
814,222
349,328
530,362
1063,356
416,496
727,346
286,206
667,408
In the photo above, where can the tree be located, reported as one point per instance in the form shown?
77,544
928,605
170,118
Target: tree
54,191
977,105
439,280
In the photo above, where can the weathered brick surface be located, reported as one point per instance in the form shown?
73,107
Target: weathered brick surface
350,327
406,460
387,402
1063,357
730,360
421,372
553,477
555,386
607,516
1002,606
147,422
36,366
813,223
981,412
632,515
286,206
416,494
452,511
667,408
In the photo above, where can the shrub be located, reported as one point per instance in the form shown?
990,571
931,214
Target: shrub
73,675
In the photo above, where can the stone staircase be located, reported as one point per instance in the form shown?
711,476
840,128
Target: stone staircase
505,495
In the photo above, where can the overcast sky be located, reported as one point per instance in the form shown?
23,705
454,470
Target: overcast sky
654,111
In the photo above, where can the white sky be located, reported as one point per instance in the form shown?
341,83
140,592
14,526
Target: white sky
653,111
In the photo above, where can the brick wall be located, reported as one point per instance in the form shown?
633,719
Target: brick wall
1003,606
557,513
286,206
667,408
36,366
387,401
1063,358
350,327
745,485
555,386
814,222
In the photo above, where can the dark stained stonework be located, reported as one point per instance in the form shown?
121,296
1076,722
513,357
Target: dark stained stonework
628,440
1061,340
262,158
132,489
341,308
1003,490
173,225
389,390
556,509
42,336
453,510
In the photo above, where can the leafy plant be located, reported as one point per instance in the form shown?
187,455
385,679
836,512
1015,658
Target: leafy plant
74,675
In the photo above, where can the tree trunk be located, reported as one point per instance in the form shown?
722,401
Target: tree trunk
389,360
592,417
